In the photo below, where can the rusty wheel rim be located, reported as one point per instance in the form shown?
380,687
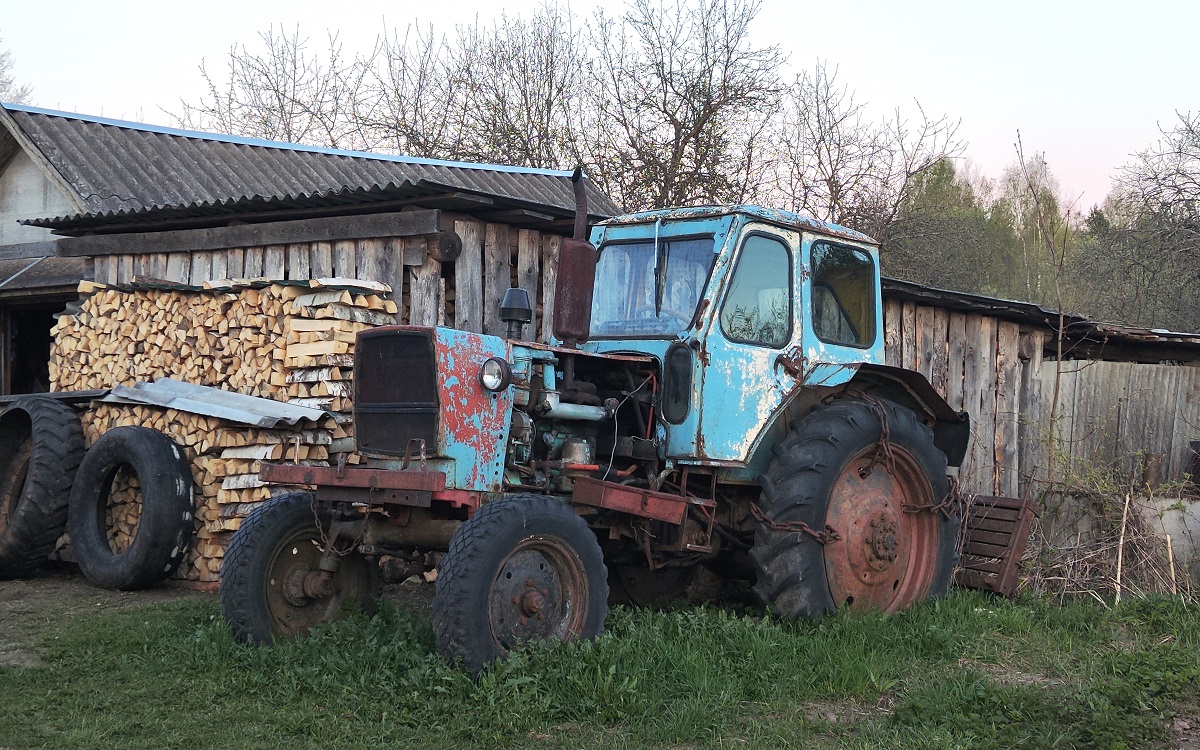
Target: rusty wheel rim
886,558
299,595
540,593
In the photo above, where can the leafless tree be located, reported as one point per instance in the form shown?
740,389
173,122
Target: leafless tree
1165,181
414,104
833,162
681,98
284,92
10,91
524,82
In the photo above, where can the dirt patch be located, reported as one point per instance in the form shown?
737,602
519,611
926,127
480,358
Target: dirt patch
32,607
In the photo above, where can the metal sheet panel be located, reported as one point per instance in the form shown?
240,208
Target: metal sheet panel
213,402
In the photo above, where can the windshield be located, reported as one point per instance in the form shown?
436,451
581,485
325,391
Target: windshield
640,292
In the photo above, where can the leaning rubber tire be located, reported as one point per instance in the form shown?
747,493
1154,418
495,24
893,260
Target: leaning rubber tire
262,597
41,443
518,557
164,528
888,558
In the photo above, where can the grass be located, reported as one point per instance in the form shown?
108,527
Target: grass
968,671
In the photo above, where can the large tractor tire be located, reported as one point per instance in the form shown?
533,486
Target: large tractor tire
524,568
849,520
272,586
164,527
41,443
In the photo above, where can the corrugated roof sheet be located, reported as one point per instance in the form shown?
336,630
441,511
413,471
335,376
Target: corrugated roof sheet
213,402
124,172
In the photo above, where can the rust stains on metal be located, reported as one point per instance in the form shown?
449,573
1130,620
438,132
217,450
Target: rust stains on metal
636,501
425,481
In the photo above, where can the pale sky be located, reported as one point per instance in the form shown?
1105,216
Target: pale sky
1086,82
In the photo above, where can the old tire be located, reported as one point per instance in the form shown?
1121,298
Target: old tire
828,472
41,443
524,568
262,578
164,528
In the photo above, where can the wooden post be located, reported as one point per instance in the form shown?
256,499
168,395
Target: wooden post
426,293
253,262
344,262
273,262
1008,393
908,336
235,263
370,260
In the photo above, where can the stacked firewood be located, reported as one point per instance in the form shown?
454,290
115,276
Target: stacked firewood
289,342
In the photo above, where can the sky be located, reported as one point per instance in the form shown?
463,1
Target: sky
1088,84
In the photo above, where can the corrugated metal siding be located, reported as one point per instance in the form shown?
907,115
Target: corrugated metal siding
123,170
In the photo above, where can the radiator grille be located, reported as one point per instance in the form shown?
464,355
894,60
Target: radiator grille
396,394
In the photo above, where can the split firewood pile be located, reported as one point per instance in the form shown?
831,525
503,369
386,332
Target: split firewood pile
290,341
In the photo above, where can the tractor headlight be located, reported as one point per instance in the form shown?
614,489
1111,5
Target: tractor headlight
495,375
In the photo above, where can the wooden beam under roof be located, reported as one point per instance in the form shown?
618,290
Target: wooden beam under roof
327,229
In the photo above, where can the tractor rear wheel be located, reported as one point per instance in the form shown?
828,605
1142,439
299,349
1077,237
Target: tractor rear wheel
849,514
524,568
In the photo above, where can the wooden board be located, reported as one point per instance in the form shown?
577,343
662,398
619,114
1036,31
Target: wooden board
468,277
528,255
1008,394
496,260
549,279
320,260
893,350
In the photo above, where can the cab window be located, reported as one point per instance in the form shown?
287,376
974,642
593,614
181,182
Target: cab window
758,307
843,295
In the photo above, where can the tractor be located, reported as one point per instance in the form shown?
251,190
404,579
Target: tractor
715,399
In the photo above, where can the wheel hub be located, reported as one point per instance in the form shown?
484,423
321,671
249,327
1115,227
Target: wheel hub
886,557
881,542
539,593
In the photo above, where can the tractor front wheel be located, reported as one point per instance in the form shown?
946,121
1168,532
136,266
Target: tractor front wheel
524,568
272,583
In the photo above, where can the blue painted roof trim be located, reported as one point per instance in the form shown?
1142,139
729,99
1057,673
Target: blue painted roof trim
243,141
788,219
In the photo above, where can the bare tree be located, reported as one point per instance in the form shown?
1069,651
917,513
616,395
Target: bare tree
524,81
681,96
1165,182
284,92
414,104
834,163
9,90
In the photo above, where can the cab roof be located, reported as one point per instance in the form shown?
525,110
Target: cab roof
786,219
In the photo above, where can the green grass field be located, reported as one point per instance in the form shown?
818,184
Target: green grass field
970,671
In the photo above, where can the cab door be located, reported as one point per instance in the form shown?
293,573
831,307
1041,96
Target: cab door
843,316
742,380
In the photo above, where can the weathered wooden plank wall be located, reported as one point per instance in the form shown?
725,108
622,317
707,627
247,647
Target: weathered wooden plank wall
1136,419
1133,420
465,293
